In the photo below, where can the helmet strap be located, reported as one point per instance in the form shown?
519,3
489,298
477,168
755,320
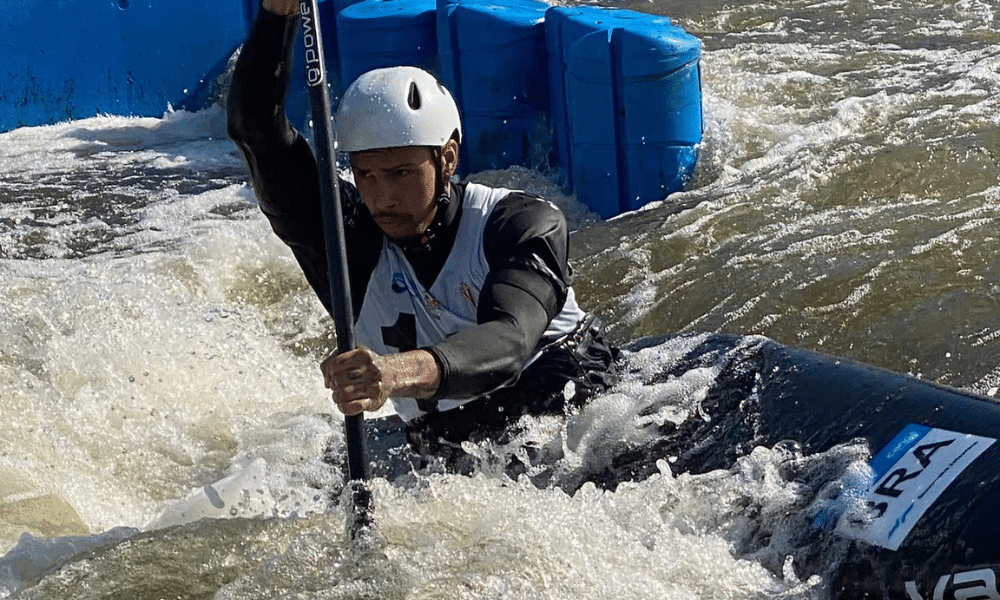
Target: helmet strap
443,178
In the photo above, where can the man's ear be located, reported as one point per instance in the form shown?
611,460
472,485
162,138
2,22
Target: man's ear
449,158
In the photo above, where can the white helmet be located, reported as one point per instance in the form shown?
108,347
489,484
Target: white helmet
394,107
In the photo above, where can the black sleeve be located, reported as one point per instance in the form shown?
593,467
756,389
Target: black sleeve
282,165
527,246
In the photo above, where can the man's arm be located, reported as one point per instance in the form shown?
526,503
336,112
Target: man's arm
362,380
527,247
281,163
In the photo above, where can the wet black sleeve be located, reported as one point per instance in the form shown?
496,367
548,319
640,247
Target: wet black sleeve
527,246
282,165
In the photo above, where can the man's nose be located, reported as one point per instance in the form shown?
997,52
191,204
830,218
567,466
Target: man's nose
383,196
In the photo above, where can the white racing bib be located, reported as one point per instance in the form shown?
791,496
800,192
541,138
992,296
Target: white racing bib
400,314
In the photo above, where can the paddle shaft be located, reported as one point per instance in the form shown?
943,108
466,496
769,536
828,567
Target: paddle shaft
333,223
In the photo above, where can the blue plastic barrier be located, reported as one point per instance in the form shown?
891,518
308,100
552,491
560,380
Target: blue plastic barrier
583,130
78,58
609,97
661,116
626,105
493,59
386,33
339,5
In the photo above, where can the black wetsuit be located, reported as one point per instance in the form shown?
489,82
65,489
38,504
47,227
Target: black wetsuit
526,246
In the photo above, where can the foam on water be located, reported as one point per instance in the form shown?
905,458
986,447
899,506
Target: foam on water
160,350
131,376
479,537
147,351
533,182
156,389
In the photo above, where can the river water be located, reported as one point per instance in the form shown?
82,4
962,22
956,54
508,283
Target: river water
157,338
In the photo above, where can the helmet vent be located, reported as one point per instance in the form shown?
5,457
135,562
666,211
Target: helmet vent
413,98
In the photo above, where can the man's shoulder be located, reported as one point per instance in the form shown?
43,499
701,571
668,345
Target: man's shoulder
518,216
527,210
502,202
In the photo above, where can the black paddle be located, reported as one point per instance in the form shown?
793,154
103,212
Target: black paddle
336,248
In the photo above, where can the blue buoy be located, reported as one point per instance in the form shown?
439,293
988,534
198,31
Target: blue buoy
584,127
386,33
611,98
339,5
618,133
660,114
493,60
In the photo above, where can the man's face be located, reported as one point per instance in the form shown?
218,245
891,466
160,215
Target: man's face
398,187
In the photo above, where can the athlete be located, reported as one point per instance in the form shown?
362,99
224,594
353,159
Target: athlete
462,296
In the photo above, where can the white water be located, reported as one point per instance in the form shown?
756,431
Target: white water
158,339
181,348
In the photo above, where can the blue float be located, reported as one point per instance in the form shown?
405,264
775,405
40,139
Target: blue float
582,84
78,58
493,60
608,98
386,33
339,5
660,119
625,126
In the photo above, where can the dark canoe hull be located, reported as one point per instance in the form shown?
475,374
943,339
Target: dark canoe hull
934,462
936,484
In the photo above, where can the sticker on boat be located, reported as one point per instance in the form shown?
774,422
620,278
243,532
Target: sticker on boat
911,472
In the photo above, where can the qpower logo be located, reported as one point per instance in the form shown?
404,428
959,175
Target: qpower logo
980,584
313,45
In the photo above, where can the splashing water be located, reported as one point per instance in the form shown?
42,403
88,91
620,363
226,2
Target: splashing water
161,346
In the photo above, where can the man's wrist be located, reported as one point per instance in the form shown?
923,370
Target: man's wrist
416,374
